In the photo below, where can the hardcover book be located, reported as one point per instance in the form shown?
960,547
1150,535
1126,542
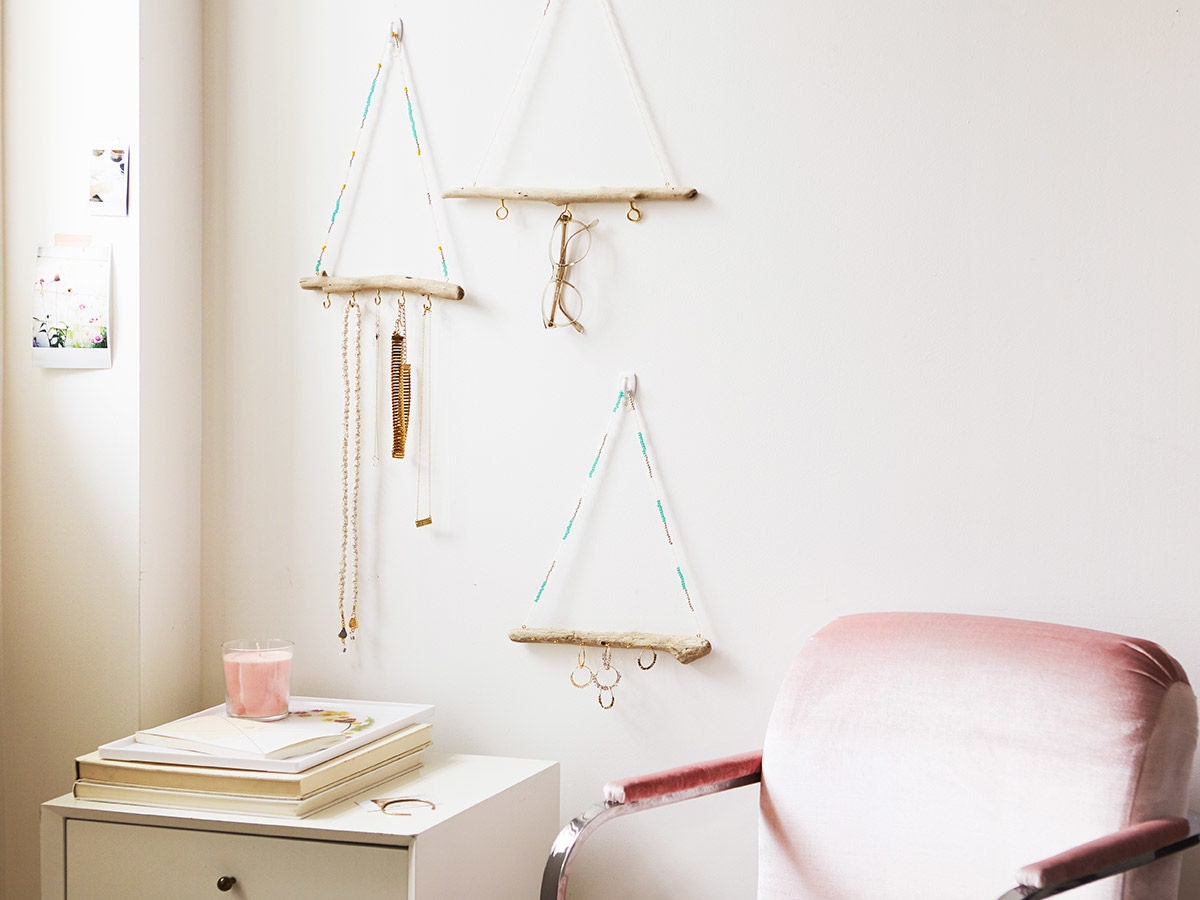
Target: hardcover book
315,730
241,803
406,743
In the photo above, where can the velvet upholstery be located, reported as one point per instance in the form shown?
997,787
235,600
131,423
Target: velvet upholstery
933,755
685,779
1097,855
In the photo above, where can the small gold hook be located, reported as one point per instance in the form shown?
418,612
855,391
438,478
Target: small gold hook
634,214
353,298
427,306
327,303
566,215
501,211
378,298
401,301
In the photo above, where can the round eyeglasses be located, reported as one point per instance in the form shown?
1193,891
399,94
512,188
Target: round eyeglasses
570,241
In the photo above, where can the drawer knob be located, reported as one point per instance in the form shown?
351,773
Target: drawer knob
226,883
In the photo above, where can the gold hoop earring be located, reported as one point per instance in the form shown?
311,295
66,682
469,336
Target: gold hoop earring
582,666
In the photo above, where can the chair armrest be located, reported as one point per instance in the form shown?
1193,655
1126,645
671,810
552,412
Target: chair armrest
1110,855
685,782
645,792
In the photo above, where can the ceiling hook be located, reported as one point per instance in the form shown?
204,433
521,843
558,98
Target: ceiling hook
397,33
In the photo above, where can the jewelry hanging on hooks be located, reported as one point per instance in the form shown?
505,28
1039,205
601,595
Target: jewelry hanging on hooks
582,666
393,59
601,679
378,381
424,515
401,382
351,454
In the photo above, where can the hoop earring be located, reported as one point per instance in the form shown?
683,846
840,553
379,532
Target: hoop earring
582,666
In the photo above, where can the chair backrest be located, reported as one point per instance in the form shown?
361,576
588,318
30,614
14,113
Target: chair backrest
932,755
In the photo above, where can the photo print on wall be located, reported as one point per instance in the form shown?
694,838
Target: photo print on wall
71,304
108,181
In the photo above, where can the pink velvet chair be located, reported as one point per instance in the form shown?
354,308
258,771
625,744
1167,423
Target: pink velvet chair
948,756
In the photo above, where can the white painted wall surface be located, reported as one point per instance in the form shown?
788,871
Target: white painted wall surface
70,438
101,471
927,340
169,254
3,868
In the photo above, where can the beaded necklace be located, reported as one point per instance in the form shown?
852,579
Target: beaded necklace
351,455
351,346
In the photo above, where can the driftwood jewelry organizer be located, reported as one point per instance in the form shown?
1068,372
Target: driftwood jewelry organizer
372,288
569,242
685,648
561,303
561,306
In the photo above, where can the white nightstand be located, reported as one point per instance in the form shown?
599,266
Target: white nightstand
488,838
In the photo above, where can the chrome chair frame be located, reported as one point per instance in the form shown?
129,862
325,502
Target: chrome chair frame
554,876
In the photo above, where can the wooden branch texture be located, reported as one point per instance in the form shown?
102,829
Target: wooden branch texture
684,647
563,196
418,286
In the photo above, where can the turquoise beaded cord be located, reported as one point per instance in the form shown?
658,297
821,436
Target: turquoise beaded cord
625,401
393,47
337,205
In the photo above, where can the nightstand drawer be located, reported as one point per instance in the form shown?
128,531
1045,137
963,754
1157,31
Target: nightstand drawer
108,860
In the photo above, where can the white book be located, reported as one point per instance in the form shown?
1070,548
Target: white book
217,733
332,726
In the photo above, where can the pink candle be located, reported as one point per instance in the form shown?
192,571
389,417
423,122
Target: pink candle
257,679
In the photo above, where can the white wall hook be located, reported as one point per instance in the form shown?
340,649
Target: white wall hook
629,383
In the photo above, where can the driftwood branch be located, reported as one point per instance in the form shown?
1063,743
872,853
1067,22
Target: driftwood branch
563,196
417,286
684,647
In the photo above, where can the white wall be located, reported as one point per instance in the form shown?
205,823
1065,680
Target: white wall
926,340
3,881
100,471
70,438
169,254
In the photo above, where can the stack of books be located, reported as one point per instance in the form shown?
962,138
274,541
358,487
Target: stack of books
323,752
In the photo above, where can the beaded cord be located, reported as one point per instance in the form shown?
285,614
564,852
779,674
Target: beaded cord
393,47
337,206
625,401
